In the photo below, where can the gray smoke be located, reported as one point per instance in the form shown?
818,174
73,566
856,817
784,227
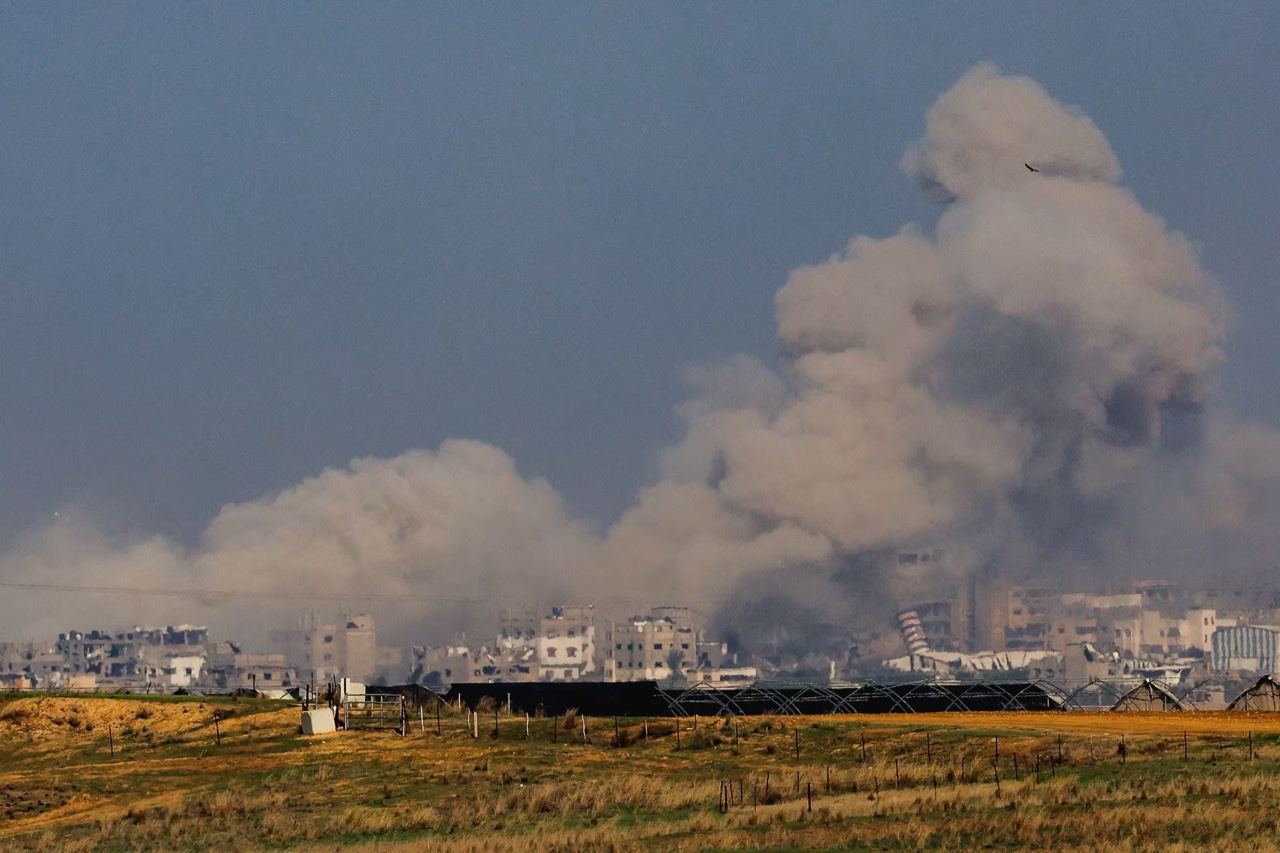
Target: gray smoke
1014,387
1027,387
421,540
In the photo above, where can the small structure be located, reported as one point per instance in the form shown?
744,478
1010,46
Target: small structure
1148,696
1264,695
318,721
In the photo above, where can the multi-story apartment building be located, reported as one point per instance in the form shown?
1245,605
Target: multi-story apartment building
346,648
661,646
567,644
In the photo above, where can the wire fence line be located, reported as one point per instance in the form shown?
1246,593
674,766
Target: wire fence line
652,699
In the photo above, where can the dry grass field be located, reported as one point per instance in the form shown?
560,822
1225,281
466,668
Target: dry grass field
1181,781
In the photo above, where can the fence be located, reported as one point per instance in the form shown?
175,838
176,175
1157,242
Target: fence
375,711
387,707
648,699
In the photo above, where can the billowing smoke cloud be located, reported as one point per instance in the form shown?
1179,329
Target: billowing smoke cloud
421,538
1016,387
1026,387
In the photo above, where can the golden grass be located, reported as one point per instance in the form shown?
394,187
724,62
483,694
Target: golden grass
927,781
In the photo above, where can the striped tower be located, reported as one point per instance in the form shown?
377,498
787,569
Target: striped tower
912,632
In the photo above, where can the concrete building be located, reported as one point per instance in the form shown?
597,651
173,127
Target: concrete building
229,668
359,648
169,670
1010,616
567,644
1246,648
346,648
85,651
659,647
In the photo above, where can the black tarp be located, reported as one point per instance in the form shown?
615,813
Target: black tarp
648,699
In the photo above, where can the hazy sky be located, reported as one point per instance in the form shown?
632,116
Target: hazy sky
241,243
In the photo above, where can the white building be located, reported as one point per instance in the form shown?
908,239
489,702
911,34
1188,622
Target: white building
566,644
174,670
1246,648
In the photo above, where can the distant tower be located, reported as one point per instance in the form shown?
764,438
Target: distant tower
912,632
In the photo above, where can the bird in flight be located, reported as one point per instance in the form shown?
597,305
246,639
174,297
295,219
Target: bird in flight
1030,168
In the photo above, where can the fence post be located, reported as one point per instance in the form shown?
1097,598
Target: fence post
808,789
862,736
797,731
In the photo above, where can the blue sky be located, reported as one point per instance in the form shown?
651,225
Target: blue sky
241,243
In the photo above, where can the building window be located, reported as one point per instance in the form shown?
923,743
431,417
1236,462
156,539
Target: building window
328,638
657,647
572,651
551,652
620,646
572,633
684,646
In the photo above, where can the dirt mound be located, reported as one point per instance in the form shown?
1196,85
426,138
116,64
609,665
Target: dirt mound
46,718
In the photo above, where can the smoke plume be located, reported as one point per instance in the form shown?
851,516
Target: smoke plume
1028,387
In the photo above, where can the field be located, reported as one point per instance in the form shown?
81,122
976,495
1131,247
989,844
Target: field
126,774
